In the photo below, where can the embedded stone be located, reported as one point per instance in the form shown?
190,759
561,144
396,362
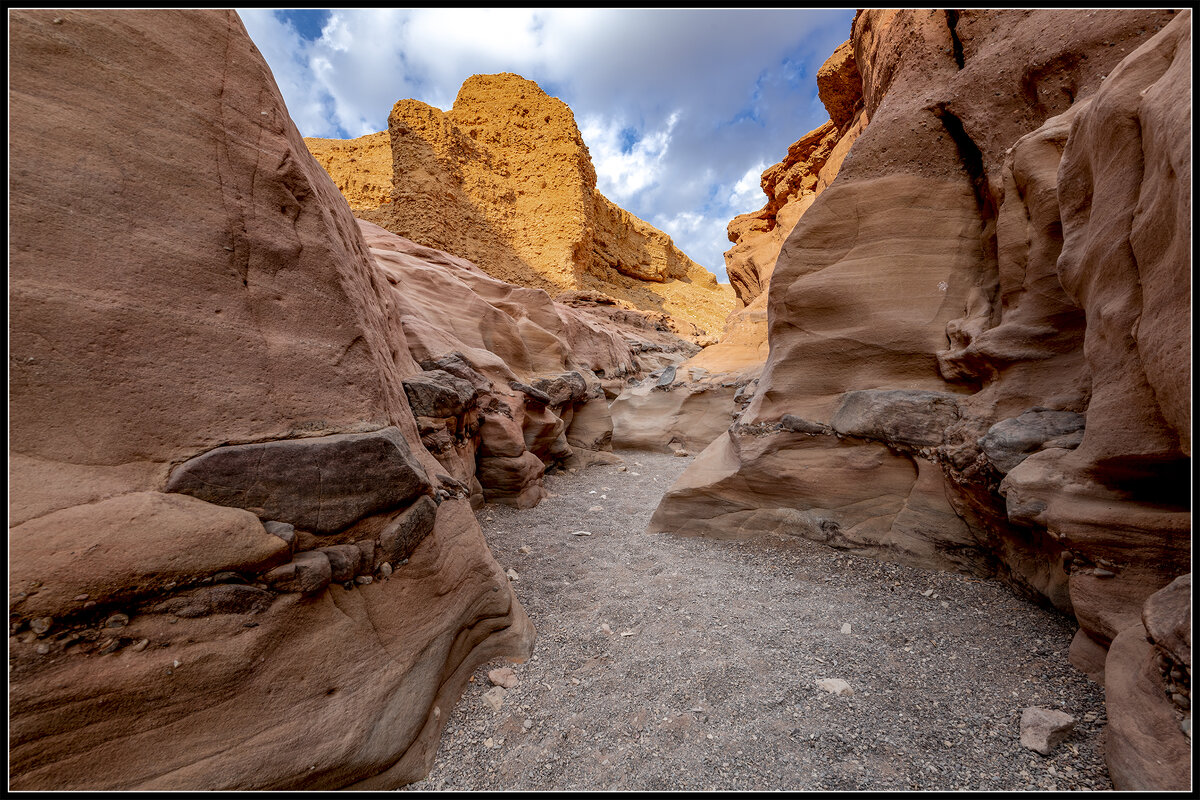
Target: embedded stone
570,387
223,598
437,393
344,561
900,416
283,530
308,572
321,484
402,535
1011,441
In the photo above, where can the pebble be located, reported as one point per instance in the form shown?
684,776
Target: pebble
527,724
363,580
927,593
504,676
385,570
79,598
43,648
117,621
595,509
846,627
835,686
41,625
489,743
494,697
140,645
582,533
525,549
1042,729
605,629
512,575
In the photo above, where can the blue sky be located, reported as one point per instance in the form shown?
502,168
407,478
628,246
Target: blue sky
681,109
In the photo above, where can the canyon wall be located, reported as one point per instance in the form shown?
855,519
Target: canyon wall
505,180
696,403
978,335
248,431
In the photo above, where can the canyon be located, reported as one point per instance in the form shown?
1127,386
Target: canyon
260,384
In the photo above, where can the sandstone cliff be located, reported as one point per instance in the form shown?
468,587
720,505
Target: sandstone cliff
248,431
505,180
692,411
978,347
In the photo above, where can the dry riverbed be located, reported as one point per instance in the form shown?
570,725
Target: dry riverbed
665,662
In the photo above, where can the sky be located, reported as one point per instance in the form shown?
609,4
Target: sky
681,109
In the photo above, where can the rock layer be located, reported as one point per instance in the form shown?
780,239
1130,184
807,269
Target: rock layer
200,286
1001,235
505,180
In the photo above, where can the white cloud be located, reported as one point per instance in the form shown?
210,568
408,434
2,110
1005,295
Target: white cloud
681,109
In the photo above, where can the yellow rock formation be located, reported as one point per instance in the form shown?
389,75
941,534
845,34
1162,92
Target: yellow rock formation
505,180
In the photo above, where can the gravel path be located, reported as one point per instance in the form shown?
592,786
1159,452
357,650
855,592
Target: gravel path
708,677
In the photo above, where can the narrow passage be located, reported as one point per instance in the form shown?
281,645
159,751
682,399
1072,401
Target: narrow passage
666,662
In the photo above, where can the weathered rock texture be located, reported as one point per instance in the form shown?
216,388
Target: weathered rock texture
978,333
697,409
193,306
505,180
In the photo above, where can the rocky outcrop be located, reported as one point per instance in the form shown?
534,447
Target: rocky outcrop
999,243
213,456
505,180
697,410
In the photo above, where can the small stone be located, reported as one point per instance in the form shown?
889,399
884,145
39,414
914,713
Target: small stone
574,681
41,625
1100,572
140,645
1042,729
79,598
595,509
42,648
835,686
622,468
489,742
363,580
605,629
846,627
494,697
582,533
504,676
927,593
525,549
117,621
512,575
385,570
1186,727
90,604
527,724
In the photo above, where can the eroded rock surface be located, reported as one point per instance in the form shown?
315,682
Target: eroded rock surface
505,180
1002,234
180,292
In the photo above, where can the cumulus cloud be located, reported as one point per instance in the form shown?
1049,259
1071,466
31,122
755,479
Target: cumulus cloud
681,109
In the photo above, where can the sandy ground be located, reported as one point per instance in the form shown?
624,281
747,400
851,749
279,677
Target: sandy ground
708,677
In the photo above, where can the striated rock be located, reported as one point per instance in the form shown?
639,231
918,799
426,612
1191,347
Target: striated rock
321,484
129,548
1003,231
216,292
402,535
1144,746
1167,617
505,180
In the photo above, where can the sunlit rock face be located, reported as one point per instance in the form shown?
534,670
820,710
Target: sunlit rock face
188,286
978,353
714,386
505,180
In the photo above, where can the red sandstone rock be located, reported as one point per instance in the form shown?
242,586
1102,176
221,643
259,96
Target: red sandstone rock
185,276
1003,231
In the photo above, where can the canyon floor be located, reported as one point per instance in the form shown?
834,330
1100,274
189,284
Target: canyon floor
708,678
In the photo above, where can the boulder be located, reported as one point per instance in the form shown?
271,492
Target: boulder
322,484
